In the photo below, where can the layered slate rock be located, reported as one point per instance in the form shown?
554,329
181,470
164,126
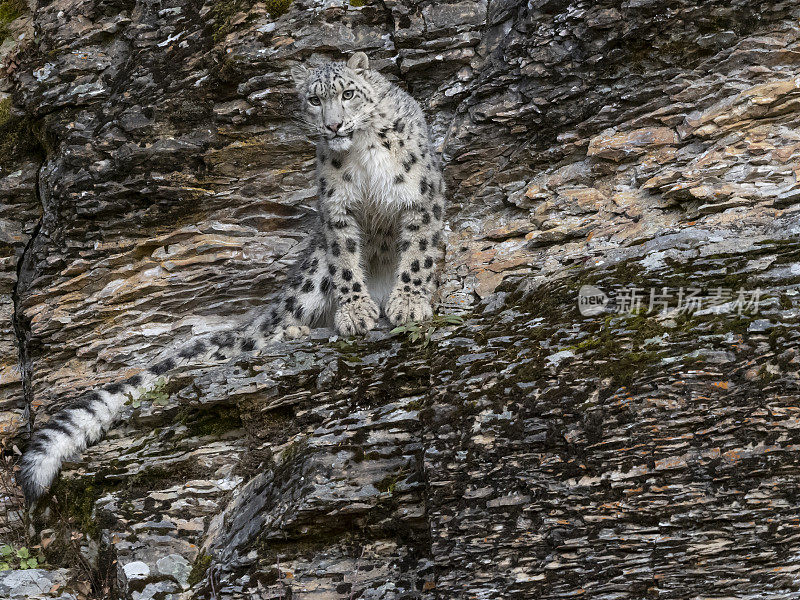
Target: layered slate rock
158,188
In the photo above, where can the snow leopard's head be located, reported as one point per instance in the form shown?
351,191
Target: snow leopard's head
337,98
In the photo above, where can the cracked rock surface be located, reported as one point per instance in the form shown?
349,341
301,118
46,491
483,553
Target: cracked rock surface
154,187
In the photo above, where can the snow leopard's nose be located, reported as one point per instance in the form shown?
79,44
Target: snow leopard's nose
334,127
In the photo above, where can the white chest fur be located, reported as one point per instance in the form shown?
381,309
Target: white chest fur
377,176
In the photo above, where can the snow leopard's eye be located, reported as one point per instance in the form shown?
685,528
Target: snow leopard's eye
347,94
314,100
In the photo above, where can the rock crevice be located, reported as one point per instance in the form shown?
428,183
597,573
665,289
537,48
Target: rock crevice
21,325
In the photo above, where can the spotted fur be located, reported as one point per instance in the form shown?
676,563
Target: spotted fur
375,246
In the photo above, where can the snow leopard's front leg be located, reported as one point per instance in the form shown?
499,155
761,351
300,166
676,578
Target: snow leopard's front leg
356,312
419,252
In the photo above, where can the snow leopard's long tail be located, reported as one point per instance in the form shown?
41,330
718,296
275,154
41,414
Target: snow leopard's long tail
86,420
69,431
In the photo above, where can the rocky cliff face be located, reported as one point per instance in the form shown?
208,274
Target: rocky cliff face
154,187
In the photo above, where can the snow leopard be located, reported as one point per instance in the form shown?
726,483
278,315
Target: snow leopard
374,249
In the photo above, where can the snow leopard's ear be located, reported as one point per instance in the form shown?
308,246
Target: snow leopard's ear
299,74
358,62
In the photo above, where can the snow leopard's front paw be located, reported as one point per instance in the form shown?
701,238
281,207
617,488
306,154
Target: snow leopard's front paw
403,306
356,316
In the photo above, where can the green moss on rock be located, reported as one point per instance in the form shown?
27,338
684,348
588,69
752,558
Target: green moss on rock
222,13
10,10
19,136
199,568
77,498
276,8
215,421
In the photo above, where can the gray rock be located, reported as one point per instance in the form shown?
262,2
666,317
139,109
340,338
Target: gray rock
36,584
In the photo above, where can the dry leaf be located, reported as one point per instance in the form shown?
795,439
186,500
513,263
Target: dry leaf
84,587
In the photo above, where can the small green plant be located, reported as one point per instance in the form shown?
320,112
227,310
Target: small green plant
344,344
423,331
158,395
19,558
389,483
